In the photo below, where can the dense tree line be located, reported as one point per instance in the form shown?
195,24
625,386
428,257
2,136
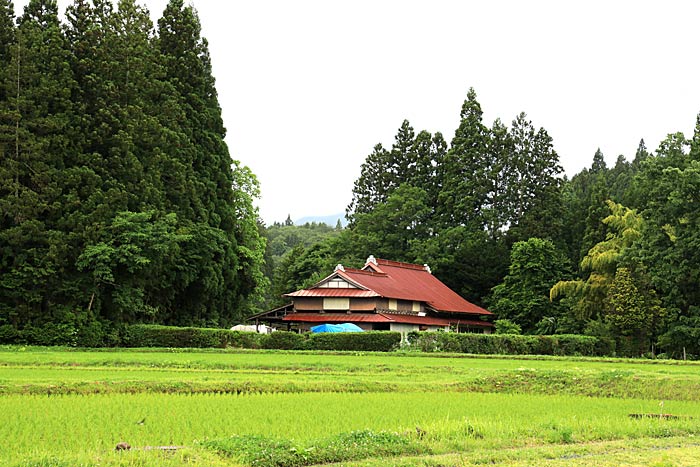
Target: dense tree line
119,201
457,207
612,252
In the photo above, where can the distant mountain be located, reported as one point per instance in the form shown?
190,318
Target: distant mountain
330,220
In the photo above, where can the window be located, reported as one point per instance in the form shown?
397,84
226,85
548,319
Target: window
336,304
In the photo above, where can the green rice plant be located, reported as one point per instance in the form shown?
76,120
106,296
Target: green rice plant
68,407
262,451
85,425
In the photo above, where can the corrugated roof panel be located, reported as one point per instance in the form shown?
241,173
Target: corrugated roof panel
376,318
413,282
352,293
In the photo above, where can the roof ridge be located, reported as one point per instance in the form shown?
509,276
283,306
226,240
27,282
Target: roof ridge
400,264
366,272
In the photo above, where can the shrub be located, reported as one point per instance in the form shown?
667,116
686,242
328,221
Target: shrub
49,334
506,326
8,334
284,340
370,341
91,334
511,344
151,335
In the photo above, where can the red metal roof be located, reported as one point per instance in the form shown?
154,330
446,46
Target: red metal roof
377,318
323,292
393,279
411,282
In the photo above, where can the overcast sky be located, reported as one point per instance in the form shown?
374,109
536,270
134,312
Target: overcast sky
309,87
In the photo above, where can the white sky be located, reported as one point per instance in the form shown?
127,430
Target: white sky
309,87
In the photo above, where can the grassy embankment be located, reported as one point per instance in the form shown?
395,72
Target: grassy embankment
70,408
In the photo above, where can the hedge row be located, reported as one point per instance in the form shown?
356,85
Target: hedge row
511,344
152,335
145,335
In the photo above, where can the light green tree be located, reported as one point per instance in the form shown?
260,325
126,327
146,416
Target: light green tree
523,296
600,264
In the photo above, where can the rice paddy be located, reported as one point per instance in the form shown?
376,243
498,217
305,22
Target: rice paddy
62,407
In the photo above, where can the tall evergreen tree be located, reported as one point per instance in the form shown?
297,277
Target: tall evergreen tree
537,195
37,117
7,37
384,171
221,278
465,170
503,177
8,86
373,184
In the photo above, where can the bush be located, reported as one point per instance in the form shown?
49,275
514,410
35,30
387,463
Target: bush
91,334
151,335
49,334
370,341
87,334
511,344
506,326
283,340
8,334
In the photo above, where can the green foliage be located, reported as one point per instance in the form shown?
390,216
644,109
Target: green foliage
523,297
601,263
119,202
512,344
148,335
288,246
469,262
414,160
682,339
282,340
626,306
270,452
369,341
458,208
395,228
506,326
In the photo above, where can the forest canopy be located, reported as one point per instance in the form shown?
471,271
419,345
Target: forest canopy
611,252
119,200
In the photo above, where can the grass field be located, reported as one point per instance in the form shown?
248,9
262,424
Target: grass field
65,407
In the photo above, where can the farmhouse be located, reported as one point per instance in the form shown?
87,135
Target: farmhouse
382,296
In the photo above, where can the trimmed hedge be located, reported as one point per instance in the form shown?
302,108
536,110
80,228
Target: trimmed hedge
370,341
148,335
152,335
512,344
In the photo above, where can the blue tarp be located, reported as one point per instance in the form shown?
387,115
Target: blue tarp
345,327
